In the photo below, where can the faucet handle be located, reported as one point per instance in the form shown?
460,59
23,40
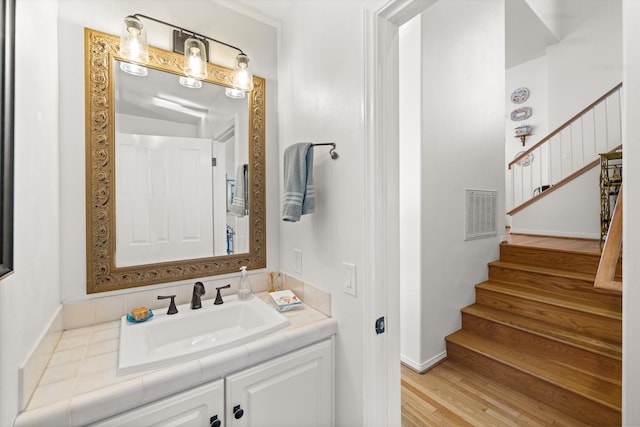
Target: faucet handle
218,300
172,304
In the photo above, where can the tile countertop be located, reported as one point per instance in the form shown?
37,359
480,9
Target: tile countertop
80,384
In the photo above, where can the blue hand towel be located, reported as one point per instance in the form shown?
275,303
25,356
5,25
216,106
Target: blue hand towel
240,199
299,194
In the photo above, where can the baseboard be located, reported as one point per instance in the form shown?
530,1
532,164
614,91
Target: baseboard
424,366
550,233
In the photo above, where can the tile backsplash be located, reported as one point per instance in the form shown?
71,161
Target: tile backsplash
309,294
33,368
79,314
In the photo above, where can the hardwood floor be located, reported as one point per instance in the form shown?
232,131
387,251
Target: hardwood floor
452,395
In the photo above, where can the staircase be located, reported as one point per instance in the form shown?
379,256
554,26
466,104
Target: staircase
540,327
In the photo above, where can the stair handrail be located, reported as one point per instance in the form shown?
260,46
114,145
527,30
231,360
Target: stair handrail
605,276
565,125
560,183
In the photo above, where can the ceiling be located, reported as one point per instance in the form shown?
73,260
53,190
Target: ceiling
531,25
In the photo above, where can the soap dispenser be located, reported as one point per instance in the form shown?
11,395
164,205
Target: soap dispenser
244,291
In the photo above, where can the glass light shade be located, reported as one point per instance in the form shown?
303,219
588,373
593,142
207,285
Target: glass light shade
134,69
189,82
133,41
243,78
195,59
234,93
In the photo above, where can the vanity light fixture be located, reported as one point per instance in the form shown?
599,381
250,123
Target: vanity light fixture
133,46
194,46
133,41
243,78
195,59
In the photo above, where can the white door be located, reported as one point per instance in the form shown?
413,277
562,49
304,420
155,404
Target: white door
199,407
163,199
219,197
295,390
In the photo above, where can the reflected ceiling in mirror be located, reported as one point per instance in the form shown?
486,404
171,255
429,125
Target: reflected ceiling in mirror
125,116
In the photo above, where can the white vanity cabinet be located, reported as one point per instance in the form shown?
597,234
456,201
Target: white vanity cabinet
294,390
200,406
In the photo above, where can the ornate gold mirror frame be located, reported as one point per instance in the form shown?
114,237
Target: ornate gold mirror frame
102,274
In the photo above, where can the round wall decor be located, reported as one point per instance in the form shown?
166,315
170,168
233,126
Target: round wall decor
518,96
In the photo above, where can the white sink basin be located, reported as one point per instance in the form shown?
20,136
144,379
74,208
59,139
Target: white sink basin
167,339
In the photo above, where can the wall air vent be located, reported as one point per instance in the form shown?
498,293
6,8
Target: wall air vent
480,214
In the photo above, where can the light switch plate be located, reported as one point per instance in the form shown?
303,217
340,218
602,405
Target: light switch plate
349,278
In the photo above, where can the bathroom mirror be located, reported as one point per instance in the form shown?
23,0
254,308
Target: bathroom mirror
159,157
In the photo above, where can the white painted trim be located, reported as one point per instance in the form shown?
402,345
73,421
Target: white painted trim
575,235
401,11
381,386
424,366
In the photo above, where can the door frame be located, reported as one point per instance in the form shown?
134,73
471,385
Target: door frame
381,386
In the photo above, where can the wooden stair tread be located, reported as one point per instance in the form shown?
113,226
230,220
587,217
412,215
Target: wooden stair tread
581,245
547,330
597,389
545,297
545,270
553,249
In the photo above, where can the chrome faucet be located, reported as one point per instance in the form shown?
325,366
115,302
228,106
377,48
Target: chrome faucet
198,291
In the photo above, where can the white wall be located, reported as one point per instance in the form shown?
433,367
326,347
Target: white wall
631,226
585,64
321,66
463,86
410,149
257,39
570,211
31,295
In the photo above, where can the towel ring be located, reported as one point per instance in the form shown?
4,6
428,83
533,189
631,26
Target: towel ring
332,152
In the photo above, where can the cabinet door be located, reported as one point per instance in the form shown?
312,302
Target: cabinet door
195,407
295,390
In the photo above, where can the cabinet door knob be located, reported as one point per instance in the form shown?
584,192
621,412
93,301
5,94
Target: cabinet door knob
238,412
214,421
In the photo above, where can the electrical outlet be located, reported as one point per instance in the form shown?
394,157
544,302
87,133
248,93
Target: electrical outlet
349,278
297,256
